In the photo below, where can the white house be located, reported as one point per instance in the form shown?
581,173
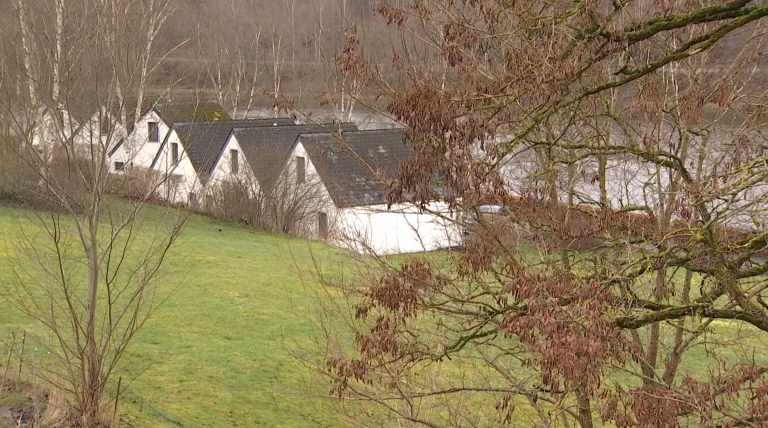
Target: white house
352,169
145,137
187,156
95,138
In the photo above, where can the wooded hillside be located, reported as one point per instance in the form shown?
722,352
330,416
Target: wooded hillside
210,46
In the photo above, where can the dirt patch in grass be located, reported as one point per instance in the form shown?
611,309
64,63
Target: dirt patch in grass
17,406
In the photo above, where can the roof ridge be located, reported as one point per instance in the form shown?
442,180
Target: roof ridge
360,131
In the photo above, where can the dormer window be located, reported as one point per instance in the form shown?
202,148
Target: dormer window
301,170
234,161
174,153
154,132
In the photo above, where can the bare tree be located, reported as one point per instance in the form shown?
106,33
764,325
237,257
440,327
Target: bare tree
94,269
155,12
290,6
344,82
277,60
320,26
233,45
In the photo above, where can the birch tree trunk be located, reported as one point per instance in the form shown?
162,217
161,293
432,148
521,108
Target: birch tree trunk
26,52
56,89
277,68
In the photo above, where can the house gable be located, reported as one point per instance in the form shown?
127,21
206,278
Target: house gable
364,221
222,170
267,149
140,147
311,177
143,144
203,145
178,177
204,141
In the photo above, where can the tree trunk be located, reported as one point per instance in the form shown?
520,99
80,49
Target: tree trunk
585,408
255,80
56,90
93,385
26,50
154,21
277,72
602,166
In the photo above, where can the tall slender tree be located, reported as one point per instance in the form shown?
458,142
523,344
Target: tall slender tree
93,274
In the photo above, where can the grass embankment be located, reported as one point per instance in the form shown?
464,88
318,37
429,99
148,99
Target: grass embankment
211,356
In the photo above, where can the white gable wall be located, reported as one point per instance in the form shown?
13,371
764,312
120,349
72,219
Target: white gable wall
313,193
178,180
89,142
120,155
140,151
222,170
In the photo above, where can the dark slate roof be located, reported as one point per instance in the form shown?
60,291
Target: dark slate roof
267,149
204,141
350,182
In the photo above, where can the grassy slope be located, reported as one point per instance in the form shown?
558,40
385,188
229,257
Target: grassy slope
211,355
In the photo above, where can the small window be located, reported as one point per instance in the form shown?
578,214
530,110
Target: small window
192,198
119,166
301,170
154,132
175,153
322,225
234,159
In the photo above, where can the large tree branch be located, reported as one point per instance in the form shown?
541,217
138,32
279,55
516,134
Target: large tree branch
702,310
675,21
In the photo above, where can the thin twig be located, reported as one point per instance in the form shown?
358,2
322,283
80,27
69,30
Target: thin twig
8,360
117,398
21,356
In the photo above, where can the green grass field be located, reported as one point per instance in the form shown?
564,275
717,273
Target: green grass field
212,355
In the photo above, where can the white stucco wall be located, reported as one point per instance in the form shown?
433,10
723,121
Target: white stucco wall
120,155
313,190
139,149
402,228
177,180
93,144
222,170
